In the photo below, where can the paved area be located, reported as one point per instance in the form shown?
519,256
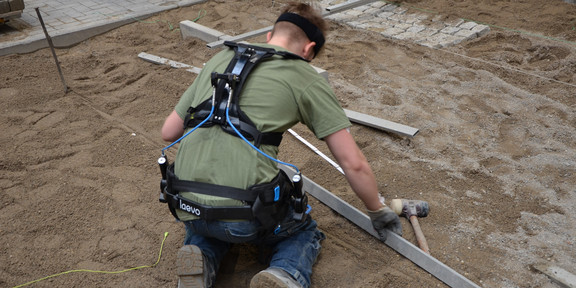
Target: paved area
424,28
71,21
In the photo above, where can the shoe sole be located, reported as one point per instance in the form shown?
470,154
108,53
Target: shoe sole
266,280
190,266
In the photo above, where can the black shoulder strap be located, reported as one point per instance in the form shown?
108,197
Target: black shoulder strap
227,89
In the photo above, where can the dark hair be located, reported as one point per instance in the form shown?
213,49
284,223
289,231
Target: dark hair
309,12
308,22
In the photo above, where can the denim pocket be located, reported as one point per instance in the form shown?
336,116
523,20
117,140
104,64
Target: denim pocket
241,232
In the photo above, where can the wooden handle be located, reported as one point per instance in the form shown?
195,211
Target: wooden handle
419,235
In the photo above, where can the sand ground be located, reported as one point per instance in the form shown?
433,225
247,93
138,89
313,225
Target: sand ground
495,155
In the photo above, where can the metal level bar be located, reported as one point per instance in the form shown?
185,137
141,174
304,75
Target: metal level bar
394,241
163,61
381,124
316,150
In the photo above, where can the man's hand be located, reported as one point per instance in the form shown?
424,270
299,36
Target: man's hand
383,220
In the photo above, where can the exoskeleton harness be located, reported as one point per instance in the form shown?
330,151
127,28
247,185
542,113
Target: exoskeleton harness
267,202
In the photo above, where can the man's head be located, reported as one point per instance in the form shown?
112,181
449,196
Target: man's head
300,28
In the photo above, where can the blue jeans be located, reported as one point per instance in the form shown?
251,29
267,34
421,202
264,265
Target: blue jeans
295,246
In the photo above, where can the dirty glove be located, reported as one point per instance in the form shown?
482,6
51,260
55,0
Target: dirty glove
383,220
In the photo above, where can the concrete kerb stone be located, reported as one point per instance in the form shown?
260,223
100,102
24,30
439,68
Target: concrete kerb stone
190,29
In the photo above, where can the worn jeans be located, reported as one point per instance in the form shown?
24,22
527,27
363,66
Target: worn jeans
295,246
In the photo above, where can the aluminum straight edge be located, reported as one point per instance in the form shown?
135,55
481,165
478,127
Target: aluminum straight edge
381,124
163,61
394,241
329,11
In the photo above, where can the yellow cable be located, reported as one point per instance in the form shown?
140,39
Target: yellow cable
104,272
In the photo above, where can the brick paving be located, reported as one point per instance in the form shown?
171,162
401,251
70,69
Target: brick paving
396,22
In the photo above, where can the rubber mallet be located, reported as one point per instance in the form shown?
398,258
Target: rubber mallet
412,209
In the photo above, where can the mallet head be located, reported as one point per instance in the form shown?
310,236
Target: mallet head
407,208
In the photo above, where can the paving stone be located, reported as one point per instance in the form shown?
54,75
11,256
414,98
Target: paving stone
378,4
466,34
407,36
468,25
354,13
357,24
411,19
372,11
416,29
389,8
403,26
455,22
400,10
481,30
437,25
428,32
392,31
450,30
385,14
362,8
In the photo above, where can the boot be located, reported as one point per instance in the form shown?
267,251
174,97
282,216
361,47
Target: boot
274,278
190,268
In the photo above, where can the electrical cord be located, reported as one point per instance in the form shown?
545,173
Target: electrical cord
97,271
192,130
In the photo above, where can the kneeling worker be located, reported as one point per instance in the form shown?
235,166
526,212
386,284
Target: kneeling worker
225,184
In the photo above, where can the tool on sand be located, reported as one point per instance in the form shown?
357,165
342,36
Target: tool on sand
412,209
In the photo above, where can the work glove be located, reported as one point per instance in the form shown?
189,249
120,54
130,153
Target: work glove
385,220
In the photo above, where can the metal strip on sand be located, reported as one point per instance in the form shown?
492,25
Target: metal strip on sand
394,241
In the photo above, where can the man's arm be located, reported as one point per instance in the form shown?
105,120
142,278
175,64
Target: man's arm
173,127
356,168
362,180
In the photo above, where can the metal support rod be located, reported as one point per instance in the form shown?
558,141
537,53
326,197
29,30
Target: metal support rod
52,48
316,150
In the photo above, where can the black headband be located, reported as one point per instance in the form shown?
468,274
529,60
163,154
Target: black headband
314,34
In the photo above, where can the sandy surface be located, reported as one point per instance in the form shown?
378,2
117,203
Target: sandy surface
495,155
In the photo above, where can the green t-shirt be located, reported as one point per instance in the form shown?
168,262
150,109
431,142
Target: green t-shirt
278,94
